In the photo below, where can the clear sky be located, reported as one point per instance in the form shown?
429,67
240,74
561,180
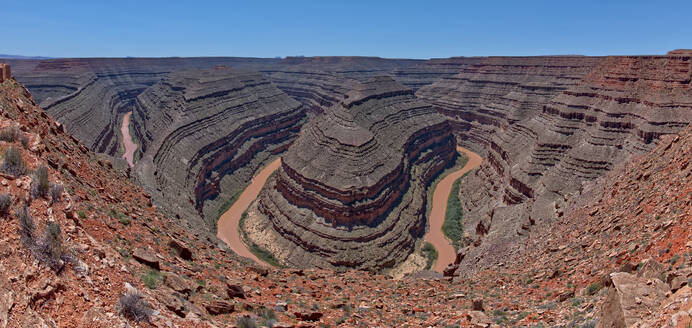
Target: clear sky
399,29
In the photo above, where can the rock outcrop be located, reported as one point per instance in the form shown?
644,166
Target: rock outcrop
203,133
5,72
351,189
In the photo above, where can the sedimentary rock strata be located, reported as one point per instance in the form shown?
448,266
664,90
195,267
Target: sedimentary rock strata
351,189
91,95
497,91
536,166
203,133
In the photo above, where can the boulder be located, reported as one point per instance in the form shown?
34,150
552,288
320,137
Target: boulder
177,283
146,257
651,269
219,307
308,315
181,249
630,299
235,291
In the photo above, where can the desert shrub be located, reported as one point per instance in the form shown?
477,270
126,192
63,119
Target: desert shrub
5,202
593,288
246,322
132,305
40,186
24,140
56,191
151,279
430,254
27,228
49,249
10,134
12,162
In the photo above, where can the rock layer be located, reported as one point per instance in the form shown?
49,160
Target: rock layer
537,166
497,91
351,189
203,133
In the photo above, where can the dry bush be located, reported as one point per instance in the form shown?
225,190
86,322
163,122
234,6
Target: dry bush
5,203
12,162
40,186
132,305
56,191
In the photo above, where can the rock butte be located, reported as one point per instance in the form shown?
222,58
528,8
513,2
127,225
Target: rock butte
350,192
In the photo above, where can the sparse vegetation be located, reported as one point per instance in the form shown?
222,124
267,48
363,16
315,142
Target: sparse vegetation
430,254
40,186
245,322
132,305
56,191
452,227
593,288
151,279
268,316
49,248
5,203
10,134
260,252
27,228
12,162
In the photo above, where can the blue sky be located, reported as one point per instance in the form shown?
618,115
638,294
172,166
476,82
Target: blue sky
397,29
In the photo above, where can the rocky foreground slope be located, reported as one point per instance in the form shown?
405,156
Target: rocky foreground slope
203,133
351,189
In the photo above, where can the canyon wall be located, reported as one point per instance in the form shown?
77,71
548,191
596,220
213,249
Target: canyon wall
536,167
351,189
495,92
203,133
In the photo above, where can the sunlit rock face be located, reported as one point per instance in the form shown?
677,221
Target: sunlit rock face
351,189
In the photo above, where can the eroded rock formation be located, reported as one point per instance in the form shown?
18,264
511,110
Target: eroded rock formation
537,166
351,189
497,91
203,133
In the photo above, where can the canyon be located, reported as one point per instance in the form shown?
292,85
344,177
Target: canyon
584,172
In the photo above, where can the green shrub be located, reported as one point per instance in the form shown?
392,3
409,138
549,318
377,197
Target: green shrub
12,162
452,226
593,288
430,254
151,279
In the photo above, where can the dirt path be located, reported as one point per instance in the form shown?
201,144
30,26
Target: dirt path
228,222
445,250
130,146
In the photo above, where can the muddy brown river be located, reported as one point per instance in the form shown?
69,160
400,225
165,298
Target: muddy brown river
228,222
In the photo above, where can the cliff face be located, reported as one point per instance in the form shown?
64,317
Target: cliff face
351,189
537,166
90,95
495,92
204,133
